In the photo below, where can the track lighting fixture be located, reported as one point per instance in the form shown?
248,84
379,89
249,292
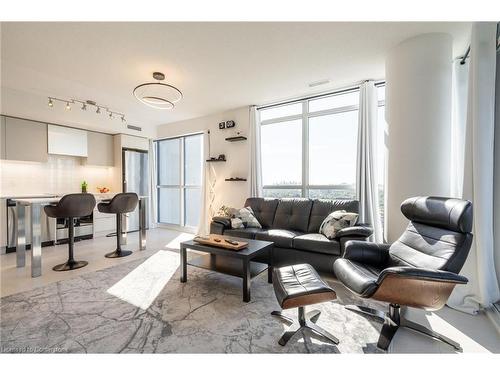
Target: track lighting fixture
85,104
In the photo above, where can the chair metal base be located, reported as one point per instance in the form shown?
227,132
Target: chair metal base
70,265
393,320
118,254
305,321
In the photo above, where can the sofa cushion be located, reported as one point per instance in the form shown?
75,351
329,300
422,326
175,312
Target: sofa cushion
243,232
317,243
321,208
264,210
280,237
293,214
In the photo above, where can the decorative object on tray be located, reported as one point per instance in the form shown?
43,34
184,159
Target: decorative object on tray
236,179
336,221
221,241
84,186
103,190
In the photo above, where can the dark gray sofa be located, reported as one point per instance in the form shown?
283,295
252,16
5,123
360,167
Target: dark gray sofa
293,225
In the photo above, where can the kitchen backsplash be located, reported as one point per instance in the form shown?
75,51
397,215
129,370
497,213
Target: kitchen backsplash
59,175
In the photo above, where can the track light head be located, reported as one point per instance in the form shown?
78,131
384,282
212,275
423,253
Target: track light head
51,103
68,106
123,118
98,110
84,107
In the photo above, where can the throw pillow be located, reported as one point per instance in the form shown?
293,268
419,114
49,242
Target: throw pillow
237,223
247,217
336,221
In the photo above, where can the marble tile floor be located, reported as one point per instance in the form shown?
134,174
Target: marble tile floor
475,333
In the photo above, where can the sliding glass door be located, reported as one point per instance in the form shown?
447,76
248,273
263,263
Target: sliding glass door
180,163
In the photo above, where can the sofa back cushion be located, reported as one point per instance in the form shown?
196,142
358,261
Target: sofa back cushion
264,210
321,208
293,214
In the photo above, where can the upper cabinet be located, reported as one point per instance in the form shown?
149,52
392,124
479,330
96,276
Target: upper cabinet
25,140
67,141
100,149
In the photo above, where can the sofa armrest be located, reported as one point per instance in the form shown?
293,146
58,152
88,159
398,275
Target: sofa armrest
218,228
225,221
422,274
363,231
367,252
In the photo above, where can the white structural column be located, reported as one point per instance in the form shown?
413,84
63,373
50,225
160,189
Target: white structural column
418,115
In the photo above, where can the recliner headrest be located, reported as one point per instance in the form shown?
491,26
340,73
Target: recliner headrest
448,213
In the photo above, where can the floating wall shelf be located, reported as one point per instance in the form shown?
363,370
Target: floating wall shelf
214,160
236,179
238,138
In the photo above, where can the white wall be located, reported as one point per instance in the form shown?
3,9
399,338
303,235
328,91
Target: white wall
237,165
418,114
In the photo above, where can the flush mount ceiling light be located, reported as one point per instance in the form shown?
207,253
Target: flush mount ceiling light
85,103
158,95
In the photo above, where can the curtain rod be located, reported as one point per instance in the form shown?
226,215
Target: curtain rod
335,92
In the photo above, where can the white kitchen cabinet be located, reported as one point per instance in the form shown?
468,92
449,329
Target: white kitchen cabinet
103,223
67,141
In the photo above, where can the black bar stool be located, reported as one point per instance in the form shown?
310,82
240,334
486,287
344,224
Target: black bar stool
120,204
69,207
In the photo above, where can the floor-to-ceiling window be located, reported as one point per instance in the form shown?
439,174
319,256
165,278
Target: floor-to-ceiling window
180,162
309,147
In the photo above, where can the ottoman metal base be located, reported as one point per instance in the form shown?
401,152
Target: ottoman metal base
306,320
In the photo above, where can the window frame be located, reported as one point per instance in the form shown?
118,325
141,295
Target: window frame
182,183
305,116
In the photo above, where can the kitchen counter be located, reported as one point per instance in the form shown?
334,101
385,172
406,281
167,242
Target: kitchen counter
36,205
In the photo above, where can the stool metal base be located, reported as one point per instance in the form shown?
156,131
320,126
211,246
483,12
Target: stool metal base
393,320
118,254
306,320
70,265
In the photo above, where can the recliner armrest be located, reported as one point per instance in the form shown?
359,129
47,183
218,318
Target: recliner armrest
422,274
225,221
367,252
362,231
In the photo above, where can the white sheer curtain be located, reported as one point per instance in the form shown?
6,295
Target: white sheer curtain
255,155
459,119
153,205
482,289
203,226
366,165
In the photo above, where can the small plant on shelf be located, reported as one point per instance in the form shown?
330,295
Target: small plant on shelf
84,186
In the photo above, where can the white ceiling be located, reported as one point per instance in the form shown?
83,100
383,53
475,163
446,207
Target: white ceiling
217,66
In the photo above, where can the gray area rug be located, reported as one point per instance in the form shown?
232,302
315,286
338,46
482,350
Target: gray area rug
141,307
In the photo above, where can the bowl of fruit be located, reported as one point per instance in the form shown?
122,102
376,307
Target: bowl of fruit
103,190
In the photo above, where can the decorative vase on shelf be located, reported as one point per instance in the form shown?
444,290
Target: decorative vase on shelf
84,187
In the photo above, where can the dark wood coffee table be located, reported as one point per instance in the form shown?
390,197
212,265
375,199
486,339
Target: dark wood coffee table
230,262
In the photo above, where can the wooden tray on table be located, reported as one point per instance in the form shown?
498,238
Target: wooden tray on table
218,241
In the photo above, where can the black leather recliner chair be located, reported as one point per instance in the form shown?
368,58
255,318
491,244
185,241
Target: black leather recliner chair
419,270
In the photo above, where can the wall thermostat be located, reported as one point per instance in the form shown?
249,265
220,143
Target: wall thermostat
230,124
222,125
